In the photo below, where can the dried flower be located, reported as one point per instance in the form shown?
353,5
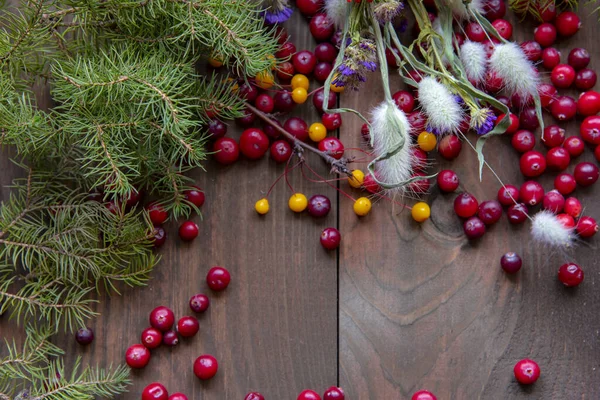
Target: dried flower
360,58
386,11
444,113
462,10
549,231
336,10
276,11
474,60
509,63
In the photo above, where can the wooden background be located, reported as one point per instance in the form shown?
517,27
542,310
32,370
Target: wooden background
401,306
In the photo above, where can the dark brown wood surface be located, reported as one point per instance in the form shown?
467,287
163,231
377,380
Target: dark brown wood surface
414,305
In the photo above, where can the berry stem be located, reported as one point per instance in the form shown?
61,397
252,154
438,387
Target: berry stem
324,181
285,172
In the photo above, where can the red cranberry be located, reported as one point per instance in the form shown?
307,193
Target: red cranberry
308,395
574,145
475,32
84,336
158,214
187,326
527,371
281,151
319,205
254,396
590,129
332,121
504,100
597,153
508,195
514,123
474,228
137,356
465,205
563,108
227,151
558,159
330,238
284,101
425,394
254,143
319,98
573,207
321,27
334,393
511,262
585,79
178,396
588,103
503,27
523,141
419,185
531,193
532,164
566,220
286,50
285,72
553,136
447,181
205,367
493,83
550,57
390,57
265,103
567,23
160,236
562,76
417,121
518,102
553,201
270,130
155,391
404,100
304,62
322,71
449,147
247,119
248,92
493,9
199,303
216,129
565,183
297,127
195,196
532,50
418,159
586,173
162,318
490,212
170,339
570,274
579,58
326,52
547,93
151,338
371,185
586,226
547,11
364,133
309,7
218,279
332,146
517,213
545,34
188,231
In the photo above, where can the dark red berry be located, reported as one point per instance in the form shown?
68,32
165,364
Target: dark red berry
553,136
151,338
332,121
531,193
532,164
158,214
590,129
188,231
155,391
474,228
199,303
547,94
404,100
326,52
553,201
170,339
585,79
570,274
309,7
588,103
449,147
371,185
562,76
281,151
567,23
573,207
160,236
579,58
586,173
420,185
270,130
503,27
297,127
527,371
195,195
137,356
597,153
254,396
265,103
84,336
493,9
574,145
308,395
205,367
334,393
321,27
304,62
547,11
532,50
586,226
322,71
248,91
425,394
364,133
489,212
218,279
523,141
390,57
187,326
226,151
330,238
284,101
319,205
565,183
545,34
508,195
558,158
254,143
447,181
162,318
514,123
247,118
332,146
319,98
475,32
417,121
465,205
550,57
286,50
285,72
511,262
563,108
517,213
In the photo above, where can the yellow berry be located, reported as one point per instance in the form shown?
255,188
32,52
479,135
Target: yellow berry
426,141
271,58
299,80
299,95
357,178
317,132
298,202
262,206
264,80
362,206
335,88
215,61
420,211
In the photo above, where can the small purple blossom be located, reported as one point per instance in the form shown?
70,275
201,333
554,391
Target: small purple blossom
360,58
385,11
484,121
276,11
435,131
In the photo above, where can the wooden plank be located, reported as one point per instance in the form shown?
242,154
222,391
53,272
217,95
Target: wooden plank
274,329
421,307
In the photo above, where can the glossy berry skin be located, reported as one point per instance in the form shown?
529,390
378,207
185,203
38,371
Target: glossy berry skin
565,183
586,227
425,394
566,220
528,119
586,174
319,99
489,212
285,71
332,121
523,141
588,103
553,136
547,93
553,201
309,7
284,101
332,146
248,91
265,103
226,150
254,396
514,123
298,202
137,356
187,326
84,336
503,27
447,181
511,262
254,143
475,32
493,9
334,393
155,391
465,205
517,213
330,238
160,236
578,58
322,71
326,52
574,145
417,122
188,231
247,118
195,196
158,214
526,371
178,396
321,27
563,108
218,279
297,127
281,151
199,303
286,50
532,164
573,207
550,57
404,100
449,147
170,339
151,338
532,50
319,205
308,395
545,34
508,195
304,62
531,193
474,228
562,76
570,274
585,79
590,130
558,159
205,367
567,23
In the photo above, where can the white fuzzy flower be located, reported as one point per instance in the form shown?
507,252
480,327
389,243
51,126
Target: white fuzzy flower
336,11
474,59
462,11
549,231
510,64
389,133
444,114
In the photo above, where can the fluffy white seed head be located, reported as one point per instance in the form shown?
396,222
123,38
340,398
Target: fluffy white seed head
510,64
474,59
336,11
444,114
549,231
389,128
462,11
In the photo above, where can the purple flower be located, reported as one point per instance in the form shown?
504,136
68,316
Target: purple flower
487,126
360,58
276,11
386,10
484,121
435,131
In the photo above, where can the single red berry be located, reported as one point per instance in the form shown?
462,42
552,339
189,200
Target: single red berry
425,394
586,173
319,99
550,57
475,32
532,50
579,58
404,100
332,146
247,118
567,23
334,393
553,136
321,27
523,141
285,72
504,100
254,143
570,274
160,236
281,151
588,103
248,91
449,147
573,207
162,318
558,159
371,185
517,213
319,205
158,214
418,159
304,62
447,181
284,101
553,201
297,127
590,129
417,121
270,130
205,367
508,195
511,262
218,279
527,371
170,339
364,133
547,93
226,150
187,326
322,71
195,195
563,108
493,9
545,34
420,185
585,79
199,303
84,336
326,52
518,101
151,338
474,228
309,7
493,82
574,145
531,193
547,11
178,396
503,27
332,121
514,123
465,205
137,356
566,220
565,183
597,153
532,164
188,231
562,76
254,396
308,395
330,238
264,103
587,226
155,391
390,56
489,212
286,50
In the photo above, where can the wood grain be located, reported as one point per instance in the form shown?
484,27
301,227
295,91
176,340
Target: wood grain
421,307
